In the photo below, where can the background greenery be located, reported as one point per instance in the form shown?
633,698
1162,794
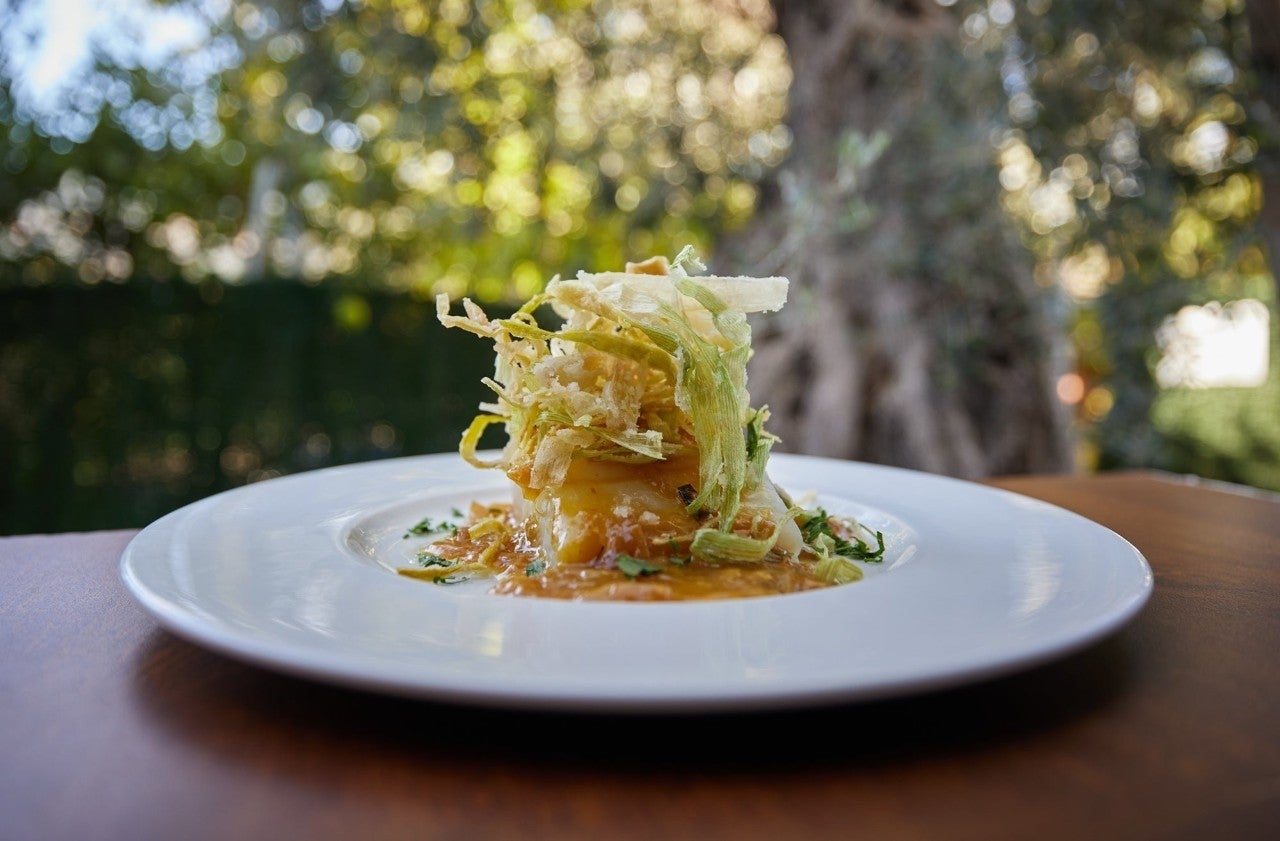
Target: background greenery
217,258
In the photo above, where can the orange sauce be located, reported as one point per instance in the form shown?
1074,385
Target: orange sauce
513,557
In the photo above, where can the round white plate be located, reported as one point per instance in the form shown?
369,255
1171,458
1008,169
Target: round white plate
298,574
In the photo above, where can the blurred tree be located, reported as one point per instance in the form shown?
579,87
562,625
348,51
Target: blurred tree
1130,164
1264,42
923,334
447,146
90,168
916,334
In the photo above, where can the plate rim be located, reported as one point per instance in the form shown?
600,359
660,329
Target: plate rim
589,698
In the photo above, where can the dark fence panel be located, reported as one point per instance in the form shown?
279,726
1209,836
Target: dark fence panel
121,403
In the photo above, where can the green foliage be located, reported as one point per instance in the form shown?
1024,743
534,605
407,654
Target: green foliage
1225,433
452,146
1131,165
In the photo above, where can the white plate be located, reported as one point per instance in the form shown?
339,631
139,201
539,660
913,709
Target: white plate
297,574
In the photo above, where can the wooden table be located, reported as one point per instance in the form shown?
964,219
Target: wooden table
112,728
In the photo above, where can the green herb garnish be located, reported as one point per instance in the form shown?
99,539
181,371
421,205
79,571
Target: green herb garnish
536,567
450,579
427,526
633,567
817,532
860,551
429,560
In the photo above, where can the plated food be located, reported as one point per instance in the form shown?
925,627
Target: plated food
639,467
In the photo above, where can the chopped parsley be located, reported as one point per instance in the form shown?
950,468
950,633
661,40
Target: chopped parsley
427,526
450,579
633,567
816,525
817,532
429,560
536,567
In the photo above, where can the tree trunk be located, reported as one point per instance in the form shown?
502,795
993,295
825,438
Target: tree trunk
915,334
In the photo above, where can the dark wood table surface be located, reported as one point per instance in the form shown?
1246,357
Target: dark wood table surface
112,728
